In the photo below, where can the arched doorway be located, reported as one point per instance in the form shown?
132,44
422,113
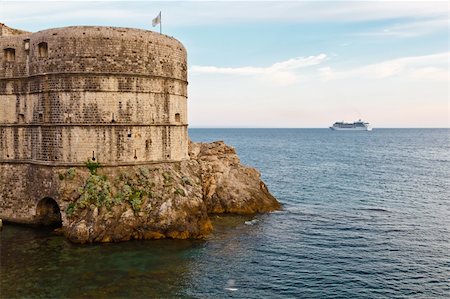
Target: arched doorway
48,213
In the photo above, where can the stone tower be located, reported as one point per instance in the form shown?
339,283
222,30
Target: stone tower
113,95
117,96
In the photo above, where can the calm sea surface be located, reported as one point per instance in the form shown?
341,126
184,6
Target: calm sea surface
366,215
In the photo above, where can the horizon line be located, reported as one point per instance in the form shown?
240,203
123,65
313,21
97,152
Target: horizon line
213,127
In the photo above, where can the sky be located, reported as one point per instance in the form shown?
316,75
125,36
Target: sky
288,64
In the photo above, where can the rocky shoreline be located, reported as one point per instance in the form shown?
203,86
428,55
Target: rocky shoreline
165,200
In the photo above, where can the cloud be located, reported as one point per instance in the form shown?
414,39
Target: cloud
217,12
432,67
410,29
284,72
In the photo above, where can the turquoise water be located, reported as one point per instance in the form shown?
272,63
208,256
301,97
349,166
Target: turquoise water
366,215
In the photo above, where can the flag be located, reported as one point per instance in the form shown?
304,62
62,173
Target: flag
156,20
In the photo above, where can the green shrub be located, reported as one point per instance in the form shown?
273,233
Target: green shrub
71,209
132,194
97,191
136,200
92,166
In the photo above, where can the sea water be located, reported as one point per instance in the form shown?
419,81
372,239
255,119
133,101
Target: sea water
365,215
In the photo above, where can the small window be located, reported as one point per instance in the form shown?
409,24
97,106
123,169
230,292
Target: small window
26,44
177,117
9,54
43,50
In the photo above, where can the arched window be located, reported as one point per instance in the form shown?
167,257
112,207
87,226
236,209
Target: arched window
43,50
177,117
9,54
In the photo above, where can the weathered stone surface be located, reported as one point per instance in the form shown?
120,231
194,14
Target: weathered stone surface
139,202
228,186
8,31
169,200
118,95
161,200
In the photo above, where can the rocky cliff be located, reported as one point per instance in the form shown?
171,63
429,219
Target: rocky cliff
166,200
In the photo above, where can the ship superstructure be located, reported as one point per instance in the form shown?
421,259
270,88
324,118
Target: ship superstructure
355,126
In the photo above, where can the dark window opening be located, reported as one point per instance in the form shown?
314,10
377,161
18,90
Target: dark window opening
48,213
9,54
177,117
43,50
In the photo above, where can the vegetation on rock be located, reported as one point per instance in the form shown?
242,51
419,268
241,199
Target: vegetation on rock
92,166
166,200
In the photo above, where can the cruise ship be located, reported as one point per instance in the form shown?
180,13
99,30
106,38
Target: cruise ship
355,126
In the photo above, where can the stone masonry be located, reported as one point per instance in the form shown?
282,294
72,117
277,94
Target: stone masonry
67,95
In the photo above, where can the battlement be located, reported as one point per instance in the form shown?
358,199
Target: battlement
114,95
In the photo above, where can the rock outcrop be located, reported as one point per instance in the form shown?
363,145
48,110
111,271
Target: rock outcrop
166,200
229,187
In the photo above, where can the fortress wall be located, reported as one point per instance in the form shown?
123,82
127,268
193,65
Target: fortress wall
110,145
71,94
93,82
91,88
179,142
8,113
22,186
92,108
63,105
18,67
114,50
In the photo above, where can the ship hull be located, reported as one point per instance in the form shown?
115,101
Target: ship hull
351,129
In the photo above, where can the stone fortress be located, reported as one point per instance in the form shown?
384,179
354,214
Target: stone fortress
115,96
112,95
68,95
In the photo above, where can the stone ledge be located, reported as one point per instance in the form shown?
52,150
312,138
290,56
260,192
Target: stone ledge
95,74
90,125
92,90
75,164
